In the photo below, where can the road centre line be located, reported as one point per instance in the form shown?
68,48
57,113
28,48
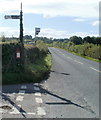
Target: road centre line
78,62
95,69
38,100
63,54
69,57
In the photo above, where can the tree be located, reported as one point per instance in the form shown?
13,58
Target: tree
98,40
76,40
3,38
28,37
88,39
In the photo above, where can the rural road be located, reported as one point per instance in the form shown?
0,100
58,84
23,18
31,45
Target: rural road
71,91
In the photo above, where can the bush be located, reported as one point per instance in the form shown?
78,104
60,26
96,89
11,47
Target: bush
37,64
9,61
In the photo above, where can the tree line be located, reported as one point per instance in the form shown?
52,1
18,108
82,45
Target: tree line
75,39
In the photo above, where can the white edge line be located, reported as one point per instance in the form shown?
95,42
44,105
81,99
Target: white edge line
95,69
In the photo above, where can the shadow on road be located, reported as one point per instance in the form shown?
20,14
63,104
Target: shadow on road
64,101
6,98
59,73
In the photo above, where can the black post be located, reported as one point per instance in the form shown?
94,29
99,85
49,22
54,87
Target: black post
21,39
21,26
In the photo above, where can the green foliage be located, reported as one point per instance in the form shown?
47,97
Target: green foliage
42,47
76,40
32,54
85,49
9,61
37,64
3,39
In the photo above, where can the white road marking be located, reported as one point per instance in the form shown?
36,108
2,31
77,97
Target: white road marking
38,94
22,92
36,88
23,87
29,113
41,111
24,113
38,100
95,69
19,98
1,110
78,62
36,84
16,110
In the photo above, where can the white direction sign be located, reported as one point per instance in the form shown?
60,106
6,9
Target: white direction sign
12,16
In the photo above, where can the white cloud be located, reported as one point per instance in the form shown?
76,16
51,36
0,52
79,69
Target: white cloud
79,19
45,32
9,31
52,8
95,23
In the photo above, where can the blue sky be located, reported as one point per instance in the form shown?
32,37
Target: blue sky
56,18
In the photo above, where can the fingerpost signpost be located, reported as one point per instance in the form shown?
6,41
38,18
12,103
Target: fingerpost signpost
37,30
21,51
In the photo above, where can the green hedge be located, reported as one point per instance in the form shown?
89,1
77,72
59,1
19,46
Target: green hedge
36,66
9,61
85,49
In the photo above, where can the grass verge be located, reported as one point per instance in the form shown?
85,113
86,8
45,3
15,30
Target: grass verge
34,72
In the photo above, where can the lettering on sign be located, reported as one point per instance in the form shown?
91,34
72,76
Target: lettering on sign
12,17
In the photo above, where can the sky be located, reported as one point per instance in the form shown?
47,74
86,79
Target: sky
55,18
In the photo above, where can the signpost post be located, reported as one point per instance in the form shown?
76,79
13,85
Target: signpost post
37,30
20,17
21,24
